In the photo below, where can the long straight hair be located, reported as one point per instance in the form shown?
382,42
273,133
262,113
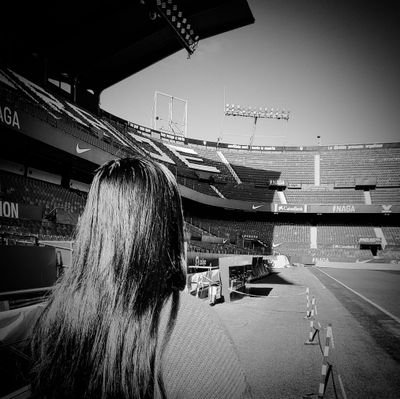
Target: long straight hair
97,337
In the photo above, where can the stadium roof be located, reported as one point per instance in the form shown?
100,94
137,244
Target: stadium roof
102,43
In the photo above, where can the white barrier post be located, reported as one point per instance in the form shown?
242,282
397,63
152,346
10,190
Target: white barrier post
326,367
308,312
313,307
313,332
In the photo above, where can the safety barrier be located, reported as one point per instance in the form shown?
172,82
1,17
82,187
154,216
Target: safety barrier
327,369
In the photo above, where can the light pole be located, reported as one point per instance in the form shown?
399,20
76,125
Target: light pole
249,112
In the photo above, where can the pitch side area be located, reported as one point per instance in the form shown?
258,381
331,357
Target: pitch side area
362,304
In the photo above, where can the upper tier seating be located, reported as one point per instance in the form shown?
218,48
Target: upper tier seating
344,167
260,167
210,157
248,192
338,167
55,111
337,196
386,196
201,187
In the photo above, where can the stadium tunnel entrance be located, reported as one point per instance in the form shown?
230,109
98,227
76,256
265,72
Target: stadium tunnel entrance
373,244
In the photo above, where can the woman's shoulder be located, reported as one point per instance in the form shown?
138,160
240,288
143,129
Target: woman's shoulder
200,356
193,307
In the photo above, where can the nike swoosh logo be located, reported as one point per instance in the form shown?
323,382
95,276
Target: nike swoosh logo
81,150
276,245
256,206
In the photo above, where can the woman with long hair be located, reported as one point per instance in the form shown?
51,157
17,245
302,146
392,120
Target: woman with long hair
116,324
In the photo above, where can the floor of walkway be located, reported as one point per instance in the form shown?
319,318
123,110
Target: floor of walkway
270,334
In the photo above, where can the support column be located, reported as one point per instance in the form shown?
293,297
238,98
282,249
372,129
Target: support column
316,169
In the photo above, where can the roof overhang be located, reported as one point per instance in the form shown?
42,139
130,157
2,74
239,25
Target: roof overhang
102,43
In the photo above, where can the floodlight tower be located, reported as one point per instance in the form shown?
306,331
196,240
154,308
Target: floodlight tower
248,112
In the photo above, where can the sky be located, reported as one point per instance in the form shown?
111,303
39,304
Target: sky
335,65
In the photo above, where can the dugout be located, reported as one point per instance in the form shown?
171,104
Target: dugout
373,244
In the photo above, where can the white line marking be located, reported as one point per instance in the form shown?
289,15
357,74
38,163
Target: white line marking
342,387
365,298
318,280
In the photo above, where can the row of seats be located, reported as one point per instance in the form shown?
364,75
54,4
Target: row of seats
35,192
334,241
347,165
386,196
292,236
296,167
336,196
249,192
50,196
17,188
197,245
201,187
343,235
204,247
348,253
257,168
62,122
340,167
43,230
211,158
392,235
390,253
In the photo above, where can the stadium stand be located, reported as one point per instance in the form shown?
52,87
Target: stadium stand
295,166
247,192
58,207
334,196
36,192
211,157
392,235
201,167
390,255
342,168
343,235
16,230
201,187
320,176
386,196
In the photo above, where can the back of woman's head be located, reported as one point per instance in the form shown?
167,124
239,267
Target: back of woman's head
98,335
131,231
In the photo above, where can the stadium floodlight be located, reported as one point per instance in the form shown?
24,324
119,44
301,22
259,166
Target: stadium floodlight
169,12
249,112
